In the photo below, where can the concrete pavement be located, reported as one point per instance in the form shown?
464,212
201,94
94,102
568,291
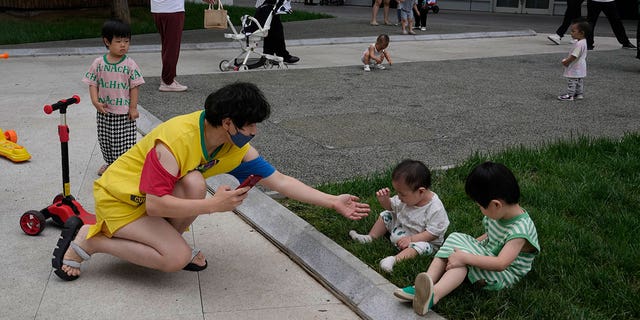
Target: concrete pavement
252,273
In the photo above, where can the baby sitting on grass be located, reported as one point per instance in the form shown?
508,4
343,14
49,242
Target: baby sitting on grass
415,217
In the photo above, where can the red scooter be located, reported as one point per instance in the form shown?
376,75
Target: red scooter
64,205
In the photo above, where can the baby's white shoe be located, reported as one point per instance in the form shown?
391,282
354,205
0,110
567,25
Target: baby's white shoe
387,263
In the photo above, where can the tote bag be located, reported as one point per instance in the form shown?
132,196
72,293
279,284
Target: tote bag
215,18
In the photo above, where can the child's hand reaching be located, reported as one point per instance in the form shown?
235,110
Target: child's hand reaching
384,198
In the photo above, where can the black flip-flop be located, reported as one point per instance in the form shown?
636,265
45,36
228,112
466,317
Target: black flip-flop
194,267
69,232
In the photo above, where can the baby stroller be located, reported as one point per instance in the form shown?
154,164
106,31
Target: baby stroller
249,36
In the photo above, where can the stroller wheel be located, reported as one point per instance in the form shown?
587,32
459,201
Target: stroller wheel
243,67
436,9
224,65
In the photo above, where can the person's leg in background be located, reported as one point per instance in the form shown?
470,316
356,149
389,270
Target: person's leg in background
170,27
574,10
610,10
638,36
593,11
424,11
274,43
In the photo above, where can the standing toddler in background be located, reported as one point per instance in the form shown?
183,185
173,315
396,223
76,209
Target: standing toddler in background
575,64
497,259
377,52
114,80
408,7
415,217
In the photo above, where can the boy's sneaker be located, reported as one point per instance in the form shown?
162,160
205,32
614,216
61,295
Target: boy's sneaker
578,97
565,97
367,68
628,46
554,38
173,87
423,298
406,293
380,67
423,29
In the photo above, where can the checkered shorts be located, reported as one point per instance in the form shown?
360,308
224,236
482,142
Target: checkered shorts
116,135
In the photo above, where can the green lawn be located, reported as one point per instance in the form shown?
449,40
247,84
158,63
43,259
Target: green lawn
584,196
87,23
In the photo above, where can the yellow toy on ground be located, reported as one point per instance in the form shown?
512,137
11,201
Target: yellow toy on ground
10,149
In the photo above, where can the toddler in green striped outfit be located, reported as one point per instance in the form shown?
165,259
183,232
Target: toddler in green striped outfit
497,259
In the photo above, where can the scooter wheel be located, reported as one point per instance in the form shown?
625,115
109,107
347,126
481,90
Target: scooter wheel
11,136
32,222
224,65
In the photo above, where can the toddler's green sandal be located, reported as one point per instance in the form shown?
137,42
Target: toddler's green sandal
423,299
406,293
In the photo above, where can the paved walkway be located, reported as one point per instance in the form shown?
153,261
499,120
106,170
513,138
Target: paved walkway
505,97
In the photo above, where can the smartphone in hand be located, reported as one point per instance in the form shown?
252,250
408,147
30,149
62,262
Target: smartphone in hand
250,181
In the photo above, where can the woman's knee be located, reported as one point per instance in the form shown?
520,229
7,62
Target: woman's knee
176,260
191,186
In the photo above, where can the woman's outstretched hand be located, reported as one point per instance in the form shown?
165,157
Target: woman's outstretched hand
350,207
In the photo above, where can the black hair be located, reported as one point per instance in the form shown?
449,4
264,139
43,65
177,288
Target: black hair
243,102
115,28
583,25
492,181
413,173
383,38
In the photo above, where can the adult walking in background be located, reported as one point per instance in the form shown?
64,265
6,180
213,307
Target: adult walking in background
274,42
594,7
385,12
638,34
169,18
573,11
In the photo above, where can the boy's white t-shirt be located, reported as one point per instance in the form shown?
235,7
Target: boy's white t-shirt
167,6
578,68
431,217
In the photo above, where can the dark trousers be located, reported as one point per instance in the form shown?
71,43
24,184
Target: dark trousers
421,21
274,42
573,11
638,39
170,27
611,12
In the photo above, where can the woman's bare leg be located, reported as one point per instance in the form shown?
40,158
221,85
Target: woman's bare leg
152,242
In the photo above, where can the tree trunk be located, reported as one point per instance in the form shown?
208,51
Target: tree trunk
120,10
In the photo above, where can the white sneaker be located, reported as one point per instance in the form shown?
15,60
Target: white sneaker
367,68
554,38
578,97
423,29
173,87
380,67
404,32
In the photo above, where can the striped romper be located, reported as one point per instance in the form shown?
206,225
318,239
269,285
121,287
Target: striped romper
498,233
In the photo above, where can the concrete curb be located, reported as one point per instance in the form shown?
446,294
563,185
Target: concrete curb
365,291
35,52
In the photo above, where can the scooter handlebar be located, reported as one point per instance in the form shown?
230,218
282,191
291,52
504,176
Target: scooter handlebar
61,104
